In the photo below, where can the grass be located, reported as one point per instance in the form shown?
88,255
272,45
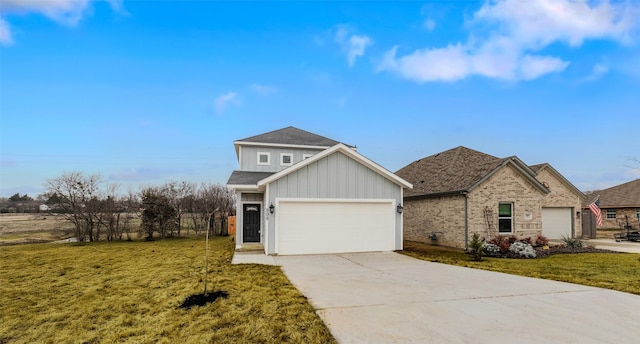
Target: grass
22,228
130,292
617,271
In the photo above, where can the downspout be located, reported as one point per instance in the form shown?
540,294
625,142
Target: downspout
466,220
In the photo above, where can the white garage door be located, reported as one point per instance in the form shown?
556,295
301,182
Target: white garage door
334,227
556,222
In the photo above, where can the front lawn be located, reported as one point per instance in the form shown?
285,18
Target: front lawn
617,271
131,292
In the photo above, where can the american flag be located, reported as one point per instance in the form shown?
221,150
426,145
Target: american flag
595,209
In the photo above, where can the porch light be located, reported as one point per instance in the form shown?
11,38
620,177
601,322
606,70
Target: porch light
272,208
399,208
577,214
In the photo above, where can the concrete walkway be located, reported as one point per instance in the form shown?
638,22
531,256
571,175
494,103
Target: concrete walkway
392,298
612,245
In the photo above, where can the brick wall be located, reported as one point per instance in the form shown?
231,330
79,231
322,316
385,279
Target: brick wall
442,214
619,221
506,185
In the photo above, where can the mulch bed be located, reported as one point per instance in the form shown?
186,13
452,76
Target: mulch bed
540,253
202,299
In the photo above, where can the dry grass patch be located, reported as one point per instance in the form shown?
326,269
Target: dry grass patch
130,292
617,271
24,228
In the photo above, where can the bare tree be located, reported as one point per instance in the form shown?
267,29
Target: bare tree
78,199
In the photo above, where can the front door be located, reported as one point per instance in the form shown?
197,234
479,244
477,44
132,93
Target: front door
251,223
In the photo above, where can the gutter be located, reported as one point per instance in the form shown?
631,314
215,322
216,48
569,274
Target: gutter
466,220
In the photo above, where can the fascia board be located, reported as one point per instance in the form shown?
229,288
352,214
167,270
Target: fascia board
240,187
264,144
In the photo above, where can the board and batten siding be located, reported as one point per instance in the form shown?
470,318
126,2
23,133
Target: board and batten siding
336,176
249,157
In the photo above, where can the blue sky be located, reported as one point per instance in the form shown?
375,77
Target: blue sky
143,92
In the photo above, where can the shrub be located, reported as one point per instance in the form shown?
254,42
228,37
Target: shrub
476,247
503,242
492,250
527,241
542,240
572,242
522,250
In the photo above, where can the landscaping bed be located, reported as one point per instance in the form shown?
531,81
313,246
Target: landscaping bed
586,265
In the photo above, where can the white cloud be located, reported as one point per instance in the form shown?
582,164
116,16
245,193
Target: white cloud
65,12
599,69
224,100
263,90
429,24
353,45
5,33
508,34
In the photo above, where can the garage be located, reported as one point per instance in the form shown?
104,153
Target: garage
334,226
557,222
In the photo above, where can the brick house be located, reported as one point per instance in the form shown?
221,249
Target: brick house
461,191
618,204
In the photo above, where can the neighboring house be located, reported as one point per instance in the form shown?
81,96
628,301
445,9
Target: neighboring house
462,191
618,204
301,193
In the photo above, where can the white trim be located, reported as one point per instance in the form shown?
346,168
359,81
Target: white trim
512,217
239,157
401,221
282,155
268,154
261,204
307,156
348,152
243,187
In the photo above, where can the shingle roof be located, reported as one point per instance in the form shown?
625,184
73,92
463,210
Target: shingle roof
619,196
454,170
247,178
536,168
292,136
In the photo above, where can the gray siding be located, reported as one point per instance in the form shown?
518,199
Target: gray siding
332,177
249,157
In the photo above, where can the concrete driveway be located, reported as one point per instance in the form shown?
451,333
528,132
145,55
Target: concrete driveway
392,298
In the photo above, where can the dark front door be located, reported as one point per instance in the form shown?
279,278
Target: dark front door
251,223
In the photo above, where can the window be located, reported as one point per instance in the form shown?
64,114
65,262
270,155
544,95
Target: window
286,159
505,217
264,158
611,213
306,156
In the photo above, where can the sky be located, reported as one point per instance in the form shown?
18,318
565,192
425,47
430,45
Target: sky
145,92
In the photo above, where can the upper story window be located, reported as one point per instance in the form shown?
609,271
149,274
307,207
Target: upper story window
306,156
264,158
611,213
505,217
286,159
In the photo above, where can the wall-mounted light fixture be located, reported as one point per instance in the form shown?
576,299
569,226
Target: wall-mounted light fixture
399,208
272,208
577,214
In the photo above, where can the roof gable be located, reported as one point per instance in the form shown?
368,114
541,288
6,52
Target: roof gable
291,136
458,170
546,166
619,196
346,151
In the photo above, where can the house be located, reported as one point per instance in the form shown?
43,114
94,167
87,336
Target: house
302,193
618,204
461,191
